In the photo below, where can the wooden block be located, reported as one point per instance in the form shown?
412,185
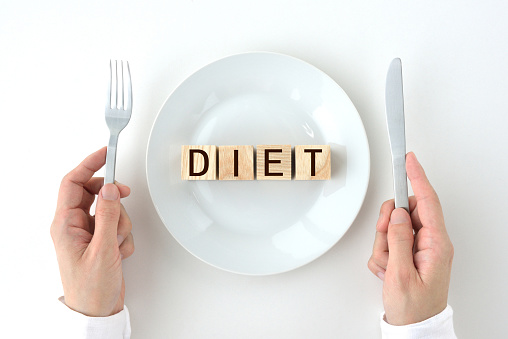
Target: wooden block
273,162
199,162
236,162
312,162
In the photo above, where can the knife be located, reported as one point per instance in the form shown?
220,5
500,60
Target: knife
396,132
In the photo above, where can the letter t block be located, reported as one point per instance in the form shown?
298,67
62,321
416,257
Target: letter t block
312,162
199,162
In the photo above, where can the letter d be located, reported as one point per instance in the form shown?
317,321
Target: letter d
191,162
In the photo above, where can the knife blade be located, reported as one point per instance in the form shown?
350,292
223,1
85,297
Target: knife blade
394,97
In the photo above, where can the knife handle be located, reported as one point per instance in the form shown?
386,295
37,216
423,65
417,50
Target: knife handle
400,182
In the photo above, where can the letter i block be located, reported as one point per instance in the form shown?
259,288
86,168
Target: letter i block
199,162
312,162
236,162
273,162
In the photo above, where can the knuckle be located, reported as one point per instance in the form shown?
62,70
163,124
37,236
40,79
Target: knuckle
106,214
65,179
372,265
131,248
400,233
444,249
379,258
65,215
128,247
62,218
452,251
388,204
52,232
447,252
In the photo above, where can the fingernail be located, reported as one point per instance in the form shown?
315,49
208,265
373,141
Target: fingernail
120,239
110,192
399,216
381,275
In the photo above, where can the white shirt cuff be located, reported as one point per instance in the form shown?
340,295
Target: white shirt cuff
439,326
79,326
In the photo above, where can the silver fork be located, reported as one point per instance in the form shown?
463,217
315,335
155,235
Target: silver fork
118,111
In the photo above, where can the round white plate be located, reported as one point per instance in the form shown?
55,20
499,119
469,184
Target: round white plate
258,227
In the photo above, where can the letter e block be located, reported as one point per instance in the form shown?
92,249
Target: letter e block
236,162
199,162
273,162
312,162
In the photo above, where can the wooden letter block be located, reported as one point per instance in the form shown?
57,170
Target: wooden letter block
273,162
236,162
199,162
312,162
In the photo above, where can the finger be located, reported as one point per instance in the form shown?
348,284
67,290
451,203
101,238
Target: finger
400,242
415,217
125,190
376,270
92,188
71,188
107,215
421,186
429,213
380,250
94,185
127,247
412,203
384,215
67,220
415,220
124,225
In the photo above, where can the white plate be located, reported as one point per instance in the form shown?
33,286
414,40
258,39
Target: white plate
258,227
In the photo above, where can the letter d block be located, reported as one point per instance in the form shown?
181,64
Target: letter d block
199,162
236,162
273,162
312,162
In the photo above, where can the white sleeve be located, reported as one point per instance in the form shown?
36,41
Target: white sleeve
74,325
439,326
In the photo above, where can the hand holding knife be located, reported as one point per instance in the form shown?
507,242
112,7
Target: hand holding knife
396,132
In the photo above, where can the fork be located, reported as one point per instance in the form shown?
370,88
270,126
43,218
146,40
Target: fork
118,111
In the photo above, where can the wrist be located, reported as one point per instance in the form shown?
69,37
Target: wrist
89,308
438,326
408,316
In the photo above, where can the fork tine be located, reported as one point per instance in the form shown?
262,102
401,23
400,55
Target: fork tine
122,103
108,98
117,96
128,102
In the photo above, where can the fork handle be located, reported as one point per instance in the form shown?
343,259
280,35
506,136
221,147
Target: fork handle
109,177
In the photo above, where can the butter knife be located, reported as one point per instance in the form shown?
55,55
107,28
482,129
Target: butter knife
396,132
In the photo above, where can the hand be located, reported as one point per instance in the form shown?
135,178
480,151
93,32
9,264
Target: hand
89,248
413,254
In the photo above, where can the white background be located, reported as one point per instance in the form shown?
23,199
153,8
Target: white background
53,71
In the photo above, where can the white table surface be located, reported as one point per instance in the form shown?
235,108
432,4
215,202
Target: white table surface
53,70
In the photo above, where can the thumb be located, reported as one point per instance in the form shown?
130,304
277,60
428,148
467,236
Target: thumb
400,241
107,213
